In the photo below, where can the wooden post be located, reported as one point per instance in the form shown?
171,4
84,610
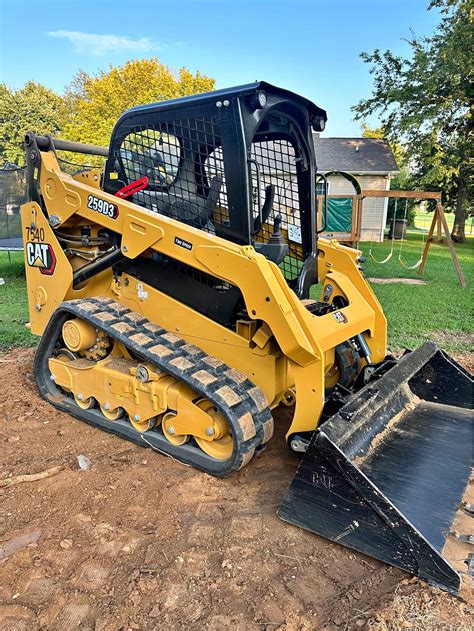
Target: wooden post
360,201
354,218
319,202
454,256
439,236
428,241
439,218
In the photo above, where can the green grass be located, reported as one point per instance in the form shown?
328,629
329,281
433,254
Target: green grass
14,303
440,310
423,222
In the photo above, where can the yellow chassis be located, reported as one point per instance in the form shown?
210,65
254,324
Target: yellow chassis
291,352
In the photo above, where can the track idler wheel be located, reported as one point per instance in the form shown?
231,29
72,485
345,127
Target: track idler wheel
141,426
220,443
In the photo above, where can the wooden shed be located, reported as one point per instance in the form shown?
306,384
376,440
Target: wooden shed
372,162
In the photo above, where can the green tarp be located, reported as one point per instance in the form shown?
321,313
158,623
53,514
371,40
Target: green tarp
339,214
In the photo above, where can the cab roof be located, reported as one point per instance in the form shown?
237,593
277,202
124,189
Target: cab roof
226,93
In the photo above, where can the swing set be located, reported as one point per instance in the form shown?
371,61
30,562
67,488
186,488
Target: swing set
392,248
439,222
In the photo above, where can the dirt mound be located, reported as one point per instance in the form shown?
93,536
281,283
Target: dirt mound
139,541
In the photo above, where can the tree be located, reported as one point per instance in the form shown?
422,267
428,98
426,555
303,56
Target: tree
396,146
32,108
94,103
426,101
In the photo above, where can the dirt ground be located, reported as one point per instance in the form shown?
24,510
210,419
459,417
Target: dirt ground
141,542
405,281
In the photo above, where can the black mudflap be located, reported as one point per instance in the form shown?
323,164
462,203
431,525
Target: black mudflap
386,475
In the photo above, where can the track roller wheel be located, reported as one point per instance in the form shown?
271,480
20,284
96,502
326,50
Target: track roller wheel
142,426
220,443
111,415
84,403
167,425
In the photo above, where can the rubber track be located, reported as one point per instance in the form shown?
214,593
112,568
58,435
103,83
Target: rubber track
242,404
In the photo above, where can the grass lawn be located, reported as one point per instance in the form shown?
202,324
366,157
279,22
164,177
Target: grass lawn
13,303
423,222
440,310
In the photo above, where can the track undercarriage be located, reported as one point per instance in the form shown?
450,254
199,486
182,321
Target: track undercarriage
151,387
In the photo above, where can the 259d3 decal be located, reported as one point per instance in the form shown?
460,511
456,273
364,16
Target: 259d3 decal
103,207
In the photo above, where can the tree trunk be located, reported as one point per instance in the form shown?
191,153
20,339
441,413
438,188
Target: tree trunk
458,233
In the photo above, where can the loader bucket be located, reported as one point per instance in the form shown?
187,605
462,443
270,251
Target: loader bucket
386,474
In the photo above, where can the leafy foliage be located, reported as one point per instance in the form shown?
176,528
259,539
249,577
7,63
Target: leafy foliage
424,103
94,103
32,108
90,106
402,181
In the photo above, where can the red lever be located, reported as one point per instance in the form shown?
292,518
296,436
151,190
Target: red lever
132,188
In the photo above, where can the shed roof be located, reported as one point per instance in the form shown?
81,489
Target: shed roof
355,155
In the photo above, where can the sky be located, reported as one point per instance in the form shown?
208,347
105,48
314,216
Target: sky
309,46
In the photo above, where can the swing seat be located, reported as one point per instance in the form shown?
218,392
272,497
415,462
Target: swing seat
392,237
385,260
414,266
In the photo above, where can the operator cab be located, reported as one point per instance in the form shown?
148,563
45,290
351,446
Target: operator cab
238,163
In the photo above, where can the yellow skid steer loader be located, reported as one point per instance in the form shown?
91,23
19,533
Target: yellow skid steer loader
182,293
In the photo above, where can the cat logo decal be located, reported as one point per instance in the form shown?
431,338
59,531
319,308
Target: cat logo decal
41,255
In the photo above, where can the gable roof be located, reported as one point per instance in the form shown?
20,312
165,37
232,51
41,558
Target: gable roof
354,155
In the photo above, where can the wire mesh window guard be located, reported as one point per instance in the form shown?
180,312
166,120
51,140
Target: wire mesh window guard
183,160
276,160
184,165
214,168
